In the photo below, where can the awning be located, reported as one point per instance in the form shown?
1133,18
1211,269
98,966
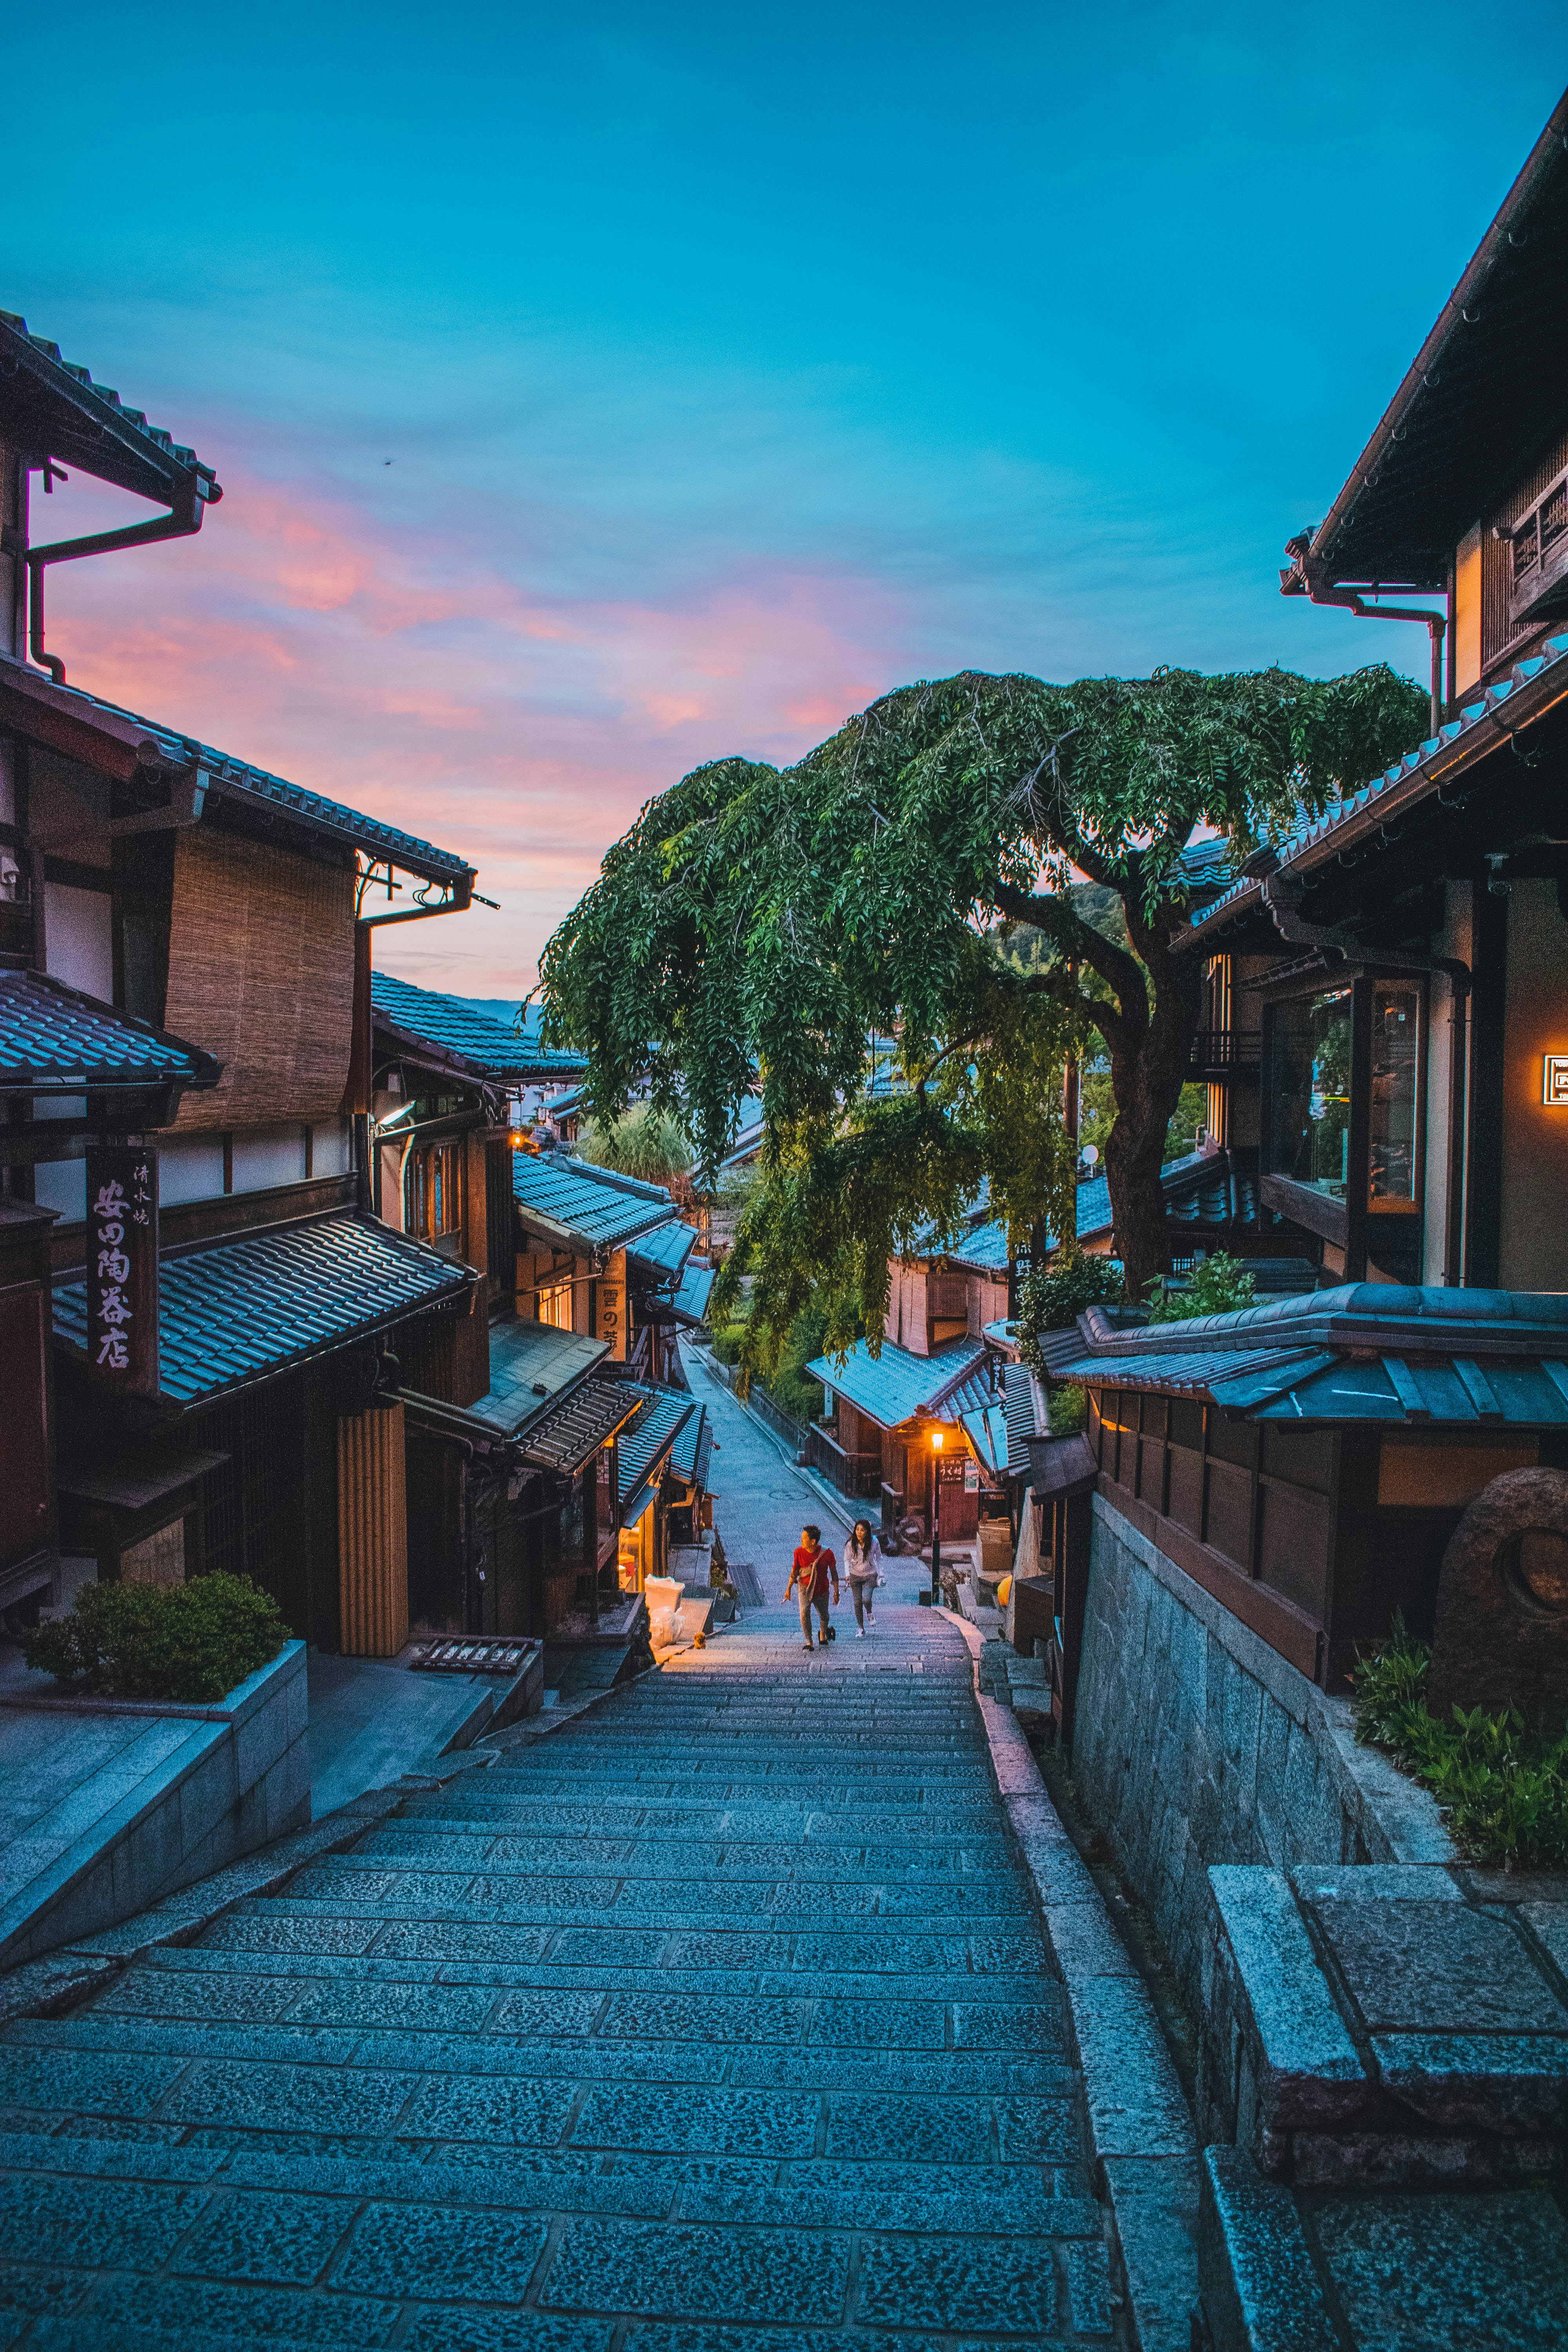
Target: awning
643,1448
688,1303
583,1207
896,1386
982,1415
690,1453
244,1310
661,1254
534,1369
55,1039
571,1435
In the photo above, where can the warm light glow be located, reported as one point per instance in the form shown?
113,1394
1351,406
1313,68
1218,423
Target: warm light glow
516,1142
936,1441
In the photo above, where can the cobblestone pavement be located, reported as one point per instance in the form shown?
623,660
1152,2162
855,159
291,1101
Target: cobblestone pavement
715,2022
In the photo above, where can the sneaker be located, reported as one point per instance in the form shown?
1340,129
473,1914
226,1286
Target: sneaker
808,1649
859,1633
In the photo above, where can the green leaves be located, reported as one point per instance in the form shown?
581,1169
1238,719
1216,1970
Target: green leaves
757,925
1505,1793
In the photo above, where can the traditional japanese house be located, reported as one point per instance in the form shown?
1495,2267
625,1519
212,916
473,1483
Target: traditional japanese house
230,1401
1407,952
606,1255
75,1075
1258,1494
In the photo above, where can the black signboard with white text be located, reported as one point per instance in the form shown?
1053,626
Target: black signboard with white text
122,1267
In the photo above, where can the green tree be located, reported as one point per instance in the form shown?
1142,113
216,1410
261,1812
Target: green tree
643,1142
759,922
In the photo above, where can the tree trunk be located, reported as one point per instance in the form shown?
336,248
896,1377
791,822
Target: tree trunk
1146,1078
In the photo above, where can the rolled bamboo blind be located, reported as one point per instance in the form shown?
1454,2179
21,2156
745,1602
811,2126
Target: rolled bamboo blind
261,973
373,1534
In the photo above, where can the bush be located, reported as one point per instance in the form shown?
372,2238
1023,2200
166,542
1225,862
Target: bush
1053,1296
191,1642
1219,1285
728,1341
1068,1409
1505,1793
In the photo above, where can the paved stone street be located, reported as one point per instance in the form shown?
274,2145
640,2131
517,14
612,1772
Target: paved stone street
717,2021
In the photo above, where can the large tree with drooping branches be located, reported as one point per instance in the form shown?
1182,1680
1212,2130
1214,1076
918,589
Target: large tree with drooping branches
760,924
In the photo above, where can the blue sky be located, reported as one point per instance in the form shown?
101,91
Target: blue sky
734,366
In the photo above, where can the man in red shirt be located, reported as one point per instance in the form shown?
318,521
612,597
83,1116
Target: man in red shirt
813,1571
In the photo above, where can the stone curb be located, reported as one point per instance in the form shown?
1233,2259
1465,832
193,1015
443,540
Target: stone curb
1141,2134
57,1982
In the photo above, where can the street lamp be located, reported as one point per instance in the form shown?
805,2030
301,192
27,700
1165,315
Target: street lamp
936,1517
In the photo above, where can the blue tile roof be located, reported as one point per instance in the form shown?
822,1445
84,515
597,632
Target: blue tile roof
895,1386
689,1302
243,1309
688,1456
584,1206
984,1247
132,420
249,787
495,1048
665,1250
980,1412
1424,762
640,1445
532,1367
55,1039
1378,1351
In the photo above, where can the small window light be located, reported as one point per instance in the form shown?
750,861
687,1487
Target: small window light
1554,1081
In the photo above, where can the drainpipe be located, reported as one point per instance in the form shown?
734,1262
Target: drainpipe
1304,577
184,518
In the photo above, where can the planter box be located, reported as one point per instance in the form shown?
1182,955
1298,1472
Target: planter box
113,1804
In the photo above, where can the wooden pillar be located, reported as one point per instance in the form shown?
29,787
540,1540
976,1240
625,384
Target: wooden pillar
372,1533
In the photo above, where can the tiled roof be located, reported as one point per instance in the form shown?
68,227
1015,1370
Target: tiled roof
241,1310
984,1247
893,1387
688,1456
639,1450
1425,765
665,1250
1025,1418
1378,1351
55,1039
532,1367
980,1412
571,1435
573,1202
688,1303
495,1048
132,420
249,787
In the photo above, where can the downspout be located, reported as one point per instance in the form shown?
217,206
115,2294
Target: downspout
1304,577
1282,895
184,518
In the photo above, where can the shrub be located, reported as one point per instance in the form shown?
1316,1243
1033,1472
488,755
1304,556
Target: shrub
1053,1296
1219,1285
191,1642
728,1341
1504,1792
1068,1409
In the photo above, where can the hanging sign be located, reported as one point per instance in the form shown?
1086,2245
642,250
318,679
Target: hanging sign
122,1267
610,1308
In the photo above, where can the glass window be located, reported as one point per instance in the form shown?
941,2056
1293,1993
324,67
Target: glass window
1392,1124
1311,1123
556,1306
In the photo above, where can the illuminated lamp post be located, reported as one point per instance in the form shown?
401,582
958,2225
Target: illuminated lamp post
935,1518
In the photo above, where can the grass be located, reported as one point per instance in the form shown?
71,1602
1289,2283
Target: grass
1503,1791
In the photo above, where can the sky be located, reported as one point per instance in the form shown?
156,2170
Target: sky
599,392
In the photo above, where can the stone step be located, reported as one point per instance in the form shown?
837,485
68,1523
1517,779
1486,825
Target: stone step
692,1858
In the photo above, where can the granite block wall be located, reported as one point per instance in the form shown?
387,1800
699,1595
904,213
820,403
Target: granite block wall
1197,1744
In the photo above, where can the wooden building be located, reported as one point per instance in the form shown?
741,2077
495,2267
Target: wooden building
230,1401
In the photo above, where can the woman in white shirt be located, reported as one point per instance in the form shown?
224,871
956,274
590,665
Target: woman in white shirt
863,1567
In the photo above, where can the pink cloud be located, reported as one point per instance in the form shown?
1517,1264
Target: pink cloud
404,669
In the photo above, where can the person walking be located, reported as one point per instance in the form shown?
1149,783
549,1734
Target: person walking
814,1568
863,1567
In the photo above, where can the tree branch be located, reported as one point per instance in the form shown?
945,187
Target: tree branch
1120,971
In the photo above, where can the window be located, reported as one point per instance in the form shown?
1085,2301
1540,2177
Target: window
1310,1104
1396,1073
433,1194
556,1306
1539,553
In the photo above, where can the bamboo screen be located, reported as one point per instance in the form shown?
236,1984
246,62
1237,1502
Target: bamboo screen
261,947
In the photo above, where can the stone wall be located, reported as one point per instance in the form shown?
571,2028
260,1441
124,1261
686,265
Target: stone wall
1196,1744
111,1805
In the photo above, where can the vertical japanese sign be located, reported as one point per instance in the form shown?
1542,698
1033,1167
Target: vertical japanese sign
610,1306
122,1267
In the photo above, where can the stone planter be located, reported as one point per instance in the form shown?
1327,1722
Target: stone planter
114,1803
